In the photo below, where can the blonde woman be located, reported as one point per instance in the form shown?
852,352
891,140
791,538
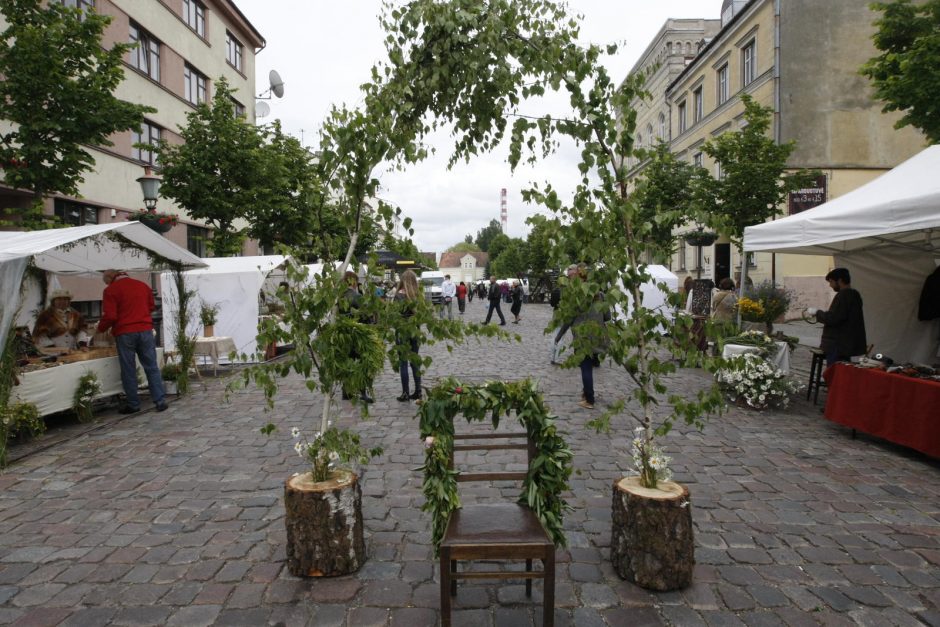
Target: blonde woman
407,299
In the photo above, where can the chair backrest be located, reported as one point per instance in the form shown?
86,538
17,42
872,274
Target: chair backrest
493,442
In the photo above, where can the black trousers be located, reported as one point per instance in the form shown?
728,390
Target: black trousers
494,304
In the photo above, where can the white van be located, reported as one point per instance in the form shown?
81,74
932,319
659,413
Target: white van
431,281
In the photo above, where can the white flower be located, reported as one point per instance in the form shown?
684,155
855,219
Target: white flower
334,456
429,441
299,448
295,432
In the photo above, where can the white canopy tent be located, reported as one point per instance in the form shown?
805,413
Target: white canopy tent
82,250
232,284
887,233
654,297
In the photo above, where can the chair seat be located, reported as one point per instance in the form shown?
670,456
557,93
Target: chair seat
504,523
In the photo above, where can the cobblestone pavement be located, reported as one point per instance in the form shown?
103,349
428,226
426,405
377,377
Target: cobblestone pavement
176,518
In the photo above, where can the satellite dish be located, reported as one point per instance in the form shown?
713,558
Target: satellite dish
277,83
262,109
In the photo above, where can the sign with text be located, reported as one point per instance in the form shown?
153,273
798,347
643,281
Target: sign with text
808,197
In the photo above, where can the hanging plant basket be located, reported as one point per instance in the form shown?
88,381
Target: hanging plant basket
700,238
155,223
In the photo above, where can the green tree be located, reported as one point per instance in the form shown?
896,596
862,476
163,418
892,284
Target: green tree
468,238
464,247
512,260
498,244
665,197
486,234
906,74
539,245
219,172
754,180
58,92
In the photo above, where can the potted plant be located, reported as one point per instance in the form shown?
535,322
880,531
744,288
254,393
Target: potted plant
155,220
208,316
170,373
765,303
700,237
750,380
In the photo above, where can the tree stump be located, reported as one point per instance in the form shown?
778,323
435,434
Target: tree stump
652,543
324,525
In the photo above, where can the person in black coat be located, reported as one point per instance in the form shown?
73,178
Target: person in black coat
516,302
843,333
494,295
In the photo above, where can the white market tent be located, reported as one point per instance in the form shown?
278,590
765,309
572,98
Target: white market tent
81,250
232,284
653,296
887,233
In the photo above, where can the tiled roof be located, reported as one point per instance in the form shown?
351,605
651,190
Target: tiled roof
452,260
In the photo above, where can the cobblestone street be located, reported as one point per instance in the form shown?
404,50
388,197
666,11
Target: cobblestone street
176,518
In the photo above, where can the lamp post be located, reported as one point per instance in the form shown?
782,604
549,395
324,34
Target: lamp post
150,186
700,238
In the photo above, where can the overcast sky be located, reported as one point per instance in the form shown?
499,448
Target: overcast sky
324,50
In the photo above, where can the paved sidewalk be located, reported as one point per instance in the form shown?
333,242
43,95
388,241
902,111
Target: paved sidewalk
176,518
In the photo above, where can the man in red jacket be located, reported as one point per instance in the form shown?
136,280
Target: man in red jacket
126,312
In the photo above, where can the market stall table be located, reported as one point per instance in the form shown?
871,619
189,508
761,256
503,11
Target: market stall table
51,388
214,348
781,360
901,409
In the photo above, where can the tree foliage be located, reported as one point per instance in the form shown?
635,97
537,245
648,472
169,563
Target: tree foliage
486,235
754,181
464,247
58,91
513,259
906,74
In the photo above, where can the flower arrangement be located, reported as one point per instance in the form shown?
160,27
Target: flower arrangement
82,401
760,340
751,310
208,314
765,303
752,379
649,459
151,217
329,449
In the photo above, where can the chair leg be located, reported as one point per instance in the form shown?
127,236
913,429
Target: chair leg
528,581
453,579
445,587
548,596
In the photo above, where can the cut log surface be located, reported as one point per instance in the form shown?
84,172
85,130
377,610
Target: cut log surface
652,542
324,525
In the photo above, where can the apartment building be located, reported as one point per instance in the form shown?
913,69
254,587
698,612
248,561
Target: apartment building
185,46
801,58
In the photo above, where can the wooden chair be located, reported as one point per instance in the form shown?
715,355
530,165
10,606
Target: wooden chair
815,374
505,531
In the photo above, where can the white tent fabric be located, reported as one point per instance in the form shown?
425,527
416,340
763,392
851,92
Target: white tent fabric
231,283
887,233
653,297
78,250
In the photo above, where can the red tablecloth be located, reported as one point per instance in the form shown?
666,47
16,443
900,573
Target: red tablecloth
900,409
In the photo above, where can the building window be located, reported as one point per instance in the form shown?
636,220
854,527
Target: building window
649,134
719,174
146,56
698,105
639,140
697,160
749,63
681,116
149,134
195,85
196,237
234,51
75,214
681,254
722,90
662,127
84,5
194,14
239,108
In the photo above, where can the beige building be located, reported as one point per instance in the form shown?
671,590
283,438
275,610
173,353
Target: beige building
801,58
466,267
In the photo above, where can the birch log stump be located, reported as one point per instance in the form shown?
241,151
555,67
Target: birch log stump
324,525
652,543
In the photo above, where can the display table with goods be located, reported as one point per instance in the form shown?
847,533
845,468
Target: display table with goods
901,407
214,348
51,385
775,350
779,358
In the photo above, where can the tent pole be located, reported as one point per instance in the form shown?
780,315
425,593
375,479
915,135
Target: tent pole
743,281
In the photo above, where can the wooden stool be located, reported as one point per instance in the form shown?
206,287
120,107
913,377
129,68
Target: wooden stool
815,374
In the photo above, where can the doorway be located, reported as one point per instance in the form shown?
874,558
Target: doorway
722,262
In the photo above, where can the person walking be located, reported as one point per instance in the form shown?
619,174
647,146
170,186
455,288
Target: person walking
471,291
407,299
516,302
349,306
494,295
448,291
587,328
127,305
462,297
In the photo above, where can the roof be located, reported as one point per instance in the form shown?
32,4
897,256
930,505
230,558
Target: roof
452,260
235,14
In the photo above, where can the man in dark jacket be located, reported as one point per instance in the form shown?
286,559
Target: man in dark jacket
843,333
494,296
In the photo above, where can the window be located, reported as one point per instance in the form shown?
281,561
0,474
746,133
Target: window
697,160
649,134
146,56
639,140
662,126
722,88
196,237
84,5
719,174
749,63
234,51
698,105
149,134
681,254
194,14
239,108
195,85
681,115
75,214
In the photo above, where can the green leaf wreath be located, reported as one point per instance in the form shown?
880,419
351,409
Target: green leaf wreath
548,472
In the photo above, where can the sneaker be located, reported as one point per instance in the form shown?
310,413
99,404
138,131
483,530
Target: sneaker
586,405
162,406
127,409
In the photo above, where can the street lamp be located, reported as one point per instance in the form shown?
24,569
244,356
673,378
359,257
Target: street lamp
150,186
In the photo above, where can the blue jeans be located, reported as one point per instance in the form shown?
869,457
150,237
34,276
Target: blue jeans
587,378
139,345
415,367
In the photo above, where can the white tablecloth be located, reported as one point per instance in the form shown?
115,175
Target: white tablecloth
781,360
52,389
214,348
